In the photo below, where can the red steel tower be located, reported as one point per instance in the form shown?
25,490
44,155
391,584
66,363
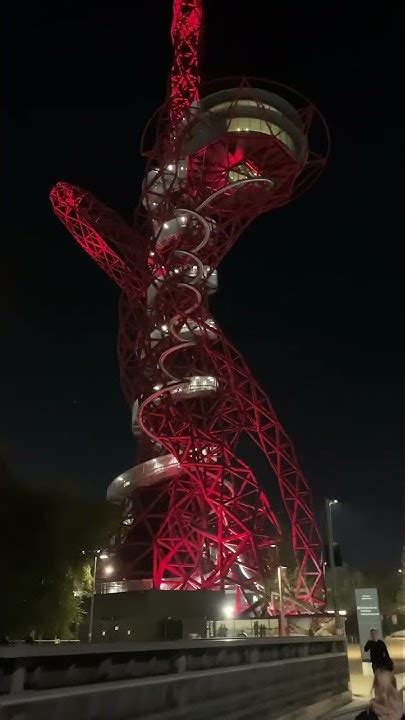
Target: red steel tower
194,515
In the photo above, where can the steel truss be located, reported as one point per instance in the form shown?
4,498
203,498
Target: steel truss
195,516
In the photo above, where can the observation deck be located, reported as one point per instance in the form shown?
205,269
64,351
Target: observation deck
246,110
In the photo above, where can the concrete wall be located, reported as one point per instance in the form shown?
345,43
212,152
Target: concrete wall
142,615
195,680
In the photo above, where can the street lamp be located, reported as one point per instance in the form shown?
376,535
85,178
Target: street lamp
103,556
329,504
228,611
280,598
280,568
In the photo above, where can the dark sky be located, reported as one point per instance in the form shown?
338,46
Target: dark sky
310,294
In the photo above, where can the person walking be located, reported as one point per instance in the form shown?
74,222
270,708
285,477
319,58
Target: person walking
30,639
379,655
222,631
262,630
387,703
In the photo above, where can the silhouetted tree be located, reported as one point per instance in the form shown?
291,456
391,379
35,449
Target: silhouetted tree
44,573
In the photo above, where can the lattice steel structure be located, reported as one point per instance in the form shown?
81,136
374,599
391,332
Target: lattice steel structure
194,515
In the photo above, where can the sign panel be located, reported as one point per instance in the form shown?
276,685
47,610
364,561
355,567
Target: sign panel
368,616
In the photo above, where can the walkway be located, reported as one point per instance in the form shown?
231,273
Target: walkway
361,687
348,713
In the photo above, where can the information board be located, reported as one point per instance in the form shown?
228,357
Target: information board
368,616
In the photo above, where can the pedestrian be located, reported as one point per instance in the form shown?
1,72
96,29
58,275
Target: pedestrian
30,639
379,655
262,631
256,629
222,631
387,703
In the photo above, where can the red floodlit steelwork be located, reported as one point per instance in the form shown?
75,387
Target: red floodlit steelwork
184,76
194,515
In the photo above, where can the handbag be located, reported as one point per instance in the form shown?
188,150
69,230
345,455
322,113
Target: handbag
367,714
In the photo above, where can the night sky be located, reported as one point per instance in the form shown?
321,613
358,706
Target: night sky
310,294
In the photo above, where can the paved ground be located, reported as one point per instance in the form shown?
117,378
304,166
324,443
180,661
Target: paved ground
348,713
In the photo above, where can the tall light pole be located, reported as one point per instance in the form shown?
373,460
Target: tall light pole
329,505
102,556
280,568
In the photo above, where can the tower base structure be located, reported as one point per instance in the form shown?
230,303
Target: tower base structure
157,615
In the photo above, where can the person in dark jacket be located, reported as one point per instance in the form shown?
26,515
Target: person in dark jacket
262,631
379,655
30,639
222,631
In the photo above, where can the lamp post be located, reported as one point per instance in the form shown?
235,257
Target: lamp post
329,505
280,568
103,556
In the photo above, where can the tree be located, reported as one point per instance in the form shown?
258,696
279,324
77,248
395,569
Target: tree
44,573
347,580
389,591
